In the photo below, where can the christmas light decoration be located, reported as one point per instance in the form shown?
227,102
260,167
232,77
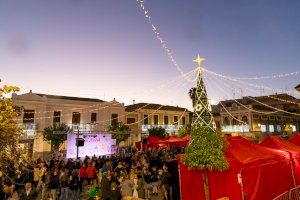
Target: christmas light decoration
158,36
267,77
202,115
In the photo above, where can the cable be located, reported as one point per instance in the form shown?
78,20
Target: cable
158,36
256,111
190,73
254,85
267,77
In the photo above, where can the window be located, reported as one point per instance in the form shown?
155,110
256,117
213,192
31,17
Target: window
155,118
76,118
278,127
114,119
56,117
175,120
263,128
272,117
271,128
183,120
130,120
235,120
146,121
226,121
245,119
166,120
28,116
93,117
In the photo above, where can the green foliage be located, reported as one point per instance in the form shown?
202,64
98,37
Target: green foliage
184,130
10,132
206,150
56,139
192,94
159,132
120,132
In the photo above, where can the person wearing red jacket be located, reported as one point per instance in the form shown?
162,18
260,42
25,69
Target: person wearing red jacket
91,172
82,175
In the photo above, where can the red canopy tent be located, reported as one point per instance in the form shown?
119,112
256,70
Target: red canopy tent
295,139
153,141
260,169
276,142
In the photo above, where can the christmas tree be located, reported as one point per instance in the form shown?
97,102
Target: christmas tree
206,148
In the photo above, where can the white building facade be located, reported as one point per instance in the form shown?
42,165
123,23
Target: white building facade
38,111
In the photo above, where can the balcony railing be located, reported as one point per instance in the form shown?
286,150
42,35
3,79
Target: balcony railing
82,127
236,128
29,130
169,128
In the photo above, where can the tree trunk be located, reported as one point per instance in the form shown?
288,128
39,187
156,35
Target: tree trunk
206,185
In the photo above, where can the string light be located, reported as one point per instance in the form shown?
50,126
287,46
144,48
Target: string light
253,85
158,36
188,74
86,111
269,96
231,114
274,108
246,107
268,77
296,114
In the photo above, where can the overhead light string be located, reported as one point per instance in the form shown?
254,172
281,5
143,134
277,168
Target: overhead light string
161,40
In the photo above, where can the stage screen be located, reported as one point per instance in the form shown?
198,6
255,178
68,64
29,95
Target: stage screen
94,144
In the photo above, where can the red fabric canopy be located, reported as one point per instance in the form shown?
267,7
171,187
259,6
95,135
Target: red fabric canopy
276,142
261,170
295,139
153,141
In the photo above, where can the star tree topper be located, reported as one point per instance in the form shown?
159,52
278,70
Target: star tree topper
198,60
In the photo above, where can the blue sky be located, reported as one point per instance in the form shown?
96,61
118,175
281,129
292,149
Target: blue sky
106,49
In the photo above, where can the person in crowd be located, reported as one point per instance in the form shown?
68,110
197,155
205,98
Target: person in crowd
46,178
147,178
154,180
126,175
126,186
166,182
54,184
94,191
82,175
114,192
28,193
64,184
74,185
91,172
105,185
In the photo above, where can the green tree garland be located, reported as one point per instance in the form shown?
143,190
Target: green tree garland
206,150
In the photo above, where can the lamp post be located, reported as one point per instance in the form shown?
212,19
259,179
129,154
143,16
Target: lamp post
77,141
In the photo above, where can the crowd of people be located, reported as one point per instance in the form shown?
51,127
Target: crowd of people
130,174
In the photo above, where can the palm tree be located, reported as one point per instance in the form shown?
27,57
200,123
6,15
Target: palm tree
192,93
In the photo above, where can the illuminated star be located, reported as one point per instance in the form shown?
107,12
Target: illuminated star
198,60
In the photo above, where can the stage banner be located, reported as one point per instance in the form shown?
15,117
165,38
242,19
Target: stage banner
94,144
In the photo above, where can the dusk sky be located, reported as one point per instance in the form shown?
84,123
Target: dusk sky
105,48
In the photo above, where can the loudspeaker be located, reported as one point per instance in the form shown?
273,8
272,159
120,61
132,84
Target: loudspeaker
144,141
79,142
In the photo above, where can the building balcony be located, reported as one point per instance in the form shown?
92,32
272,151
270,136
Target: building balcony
29,130
235,128
169,128
82,127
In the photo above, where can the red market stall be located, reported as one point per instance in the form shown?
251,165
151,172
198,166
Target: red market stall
295,139
260,170
276,142
153,141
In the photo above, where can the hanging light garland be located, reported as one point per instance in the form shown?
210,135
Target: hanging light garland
244,106
267,77
161,40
